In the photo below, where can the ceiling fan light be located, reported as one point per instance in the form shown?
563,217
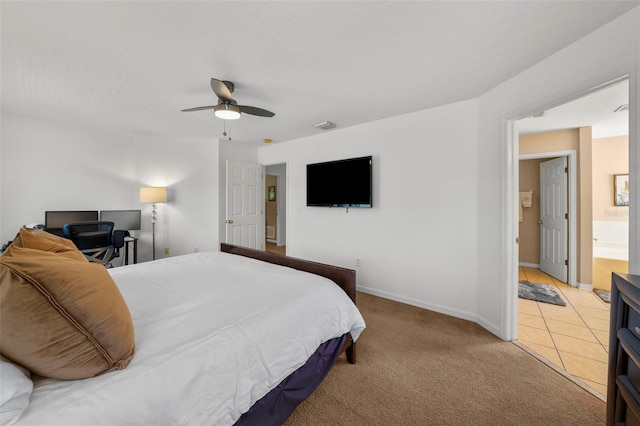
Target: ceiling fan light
227,112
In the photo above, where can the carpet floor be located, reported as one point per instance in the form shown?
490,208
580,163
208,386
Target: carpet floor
418,367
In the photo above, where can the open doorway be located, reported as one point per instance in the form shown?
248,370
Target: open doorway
276,208
573,336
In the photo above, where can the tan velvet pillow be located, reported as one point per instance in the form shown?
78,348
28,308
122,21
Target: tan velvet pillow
42,240
62,318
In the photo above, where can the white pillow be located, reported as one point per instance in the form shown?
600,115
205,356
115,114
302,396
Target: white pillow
15,391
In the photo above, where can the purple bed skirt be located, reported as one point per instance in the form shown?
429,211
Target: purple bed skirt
276,406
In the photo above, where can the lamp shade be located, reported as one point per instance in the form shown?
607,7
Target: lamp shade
153,195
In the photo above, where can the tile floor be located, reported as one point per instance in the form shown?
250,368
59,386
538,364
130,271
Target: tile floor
573,337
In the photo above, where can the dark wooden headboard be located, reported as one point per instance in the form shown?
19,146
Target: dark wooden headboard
343,277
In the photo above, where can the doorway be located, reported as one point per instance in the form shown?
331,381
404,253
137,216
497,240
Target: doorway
573,337
276,208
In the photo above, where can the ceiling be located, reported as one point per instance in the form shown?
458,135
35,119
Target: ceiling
596,109
130,67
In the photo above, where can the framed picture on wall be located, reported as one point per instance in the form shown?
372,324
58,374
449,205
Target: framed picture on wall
621,190
271,193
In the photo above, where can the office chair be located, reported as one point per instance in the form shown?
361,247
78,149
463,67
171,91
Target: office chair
118,242
93,238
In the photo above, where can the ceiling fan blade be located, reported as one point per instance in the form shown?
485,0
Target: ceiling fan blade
255,111
221,90
198,108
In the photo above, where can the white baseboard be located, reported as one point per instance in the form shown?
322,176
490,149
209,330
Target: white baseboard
492,328
529,265
269,240
583,286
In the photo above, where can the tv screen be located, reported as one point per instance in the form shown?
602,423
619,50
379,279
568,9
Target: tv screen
54,220
342,183
126,220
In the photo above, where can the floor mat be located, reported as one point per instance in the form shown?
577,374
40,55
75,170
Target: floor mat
539,292
603,294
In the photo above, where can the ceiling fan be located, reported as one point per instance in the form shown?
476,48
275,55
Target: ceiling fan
227,108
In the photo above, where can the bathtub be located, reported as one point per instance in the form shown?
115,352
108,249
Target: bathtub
607,250
610,251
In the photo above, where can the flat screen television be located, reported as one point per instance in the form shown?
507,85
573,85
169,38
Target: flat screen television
126,220
341,183
54,220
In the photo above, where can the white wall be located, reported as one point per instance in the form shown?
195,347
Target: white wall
46,166
417,244
187,168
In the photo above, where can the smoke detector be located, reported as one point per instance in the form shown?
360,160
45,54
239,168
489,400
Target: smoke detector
325,125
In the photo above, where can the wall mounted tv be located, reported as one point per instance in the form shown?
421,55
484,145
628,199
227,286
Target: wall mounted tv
341,183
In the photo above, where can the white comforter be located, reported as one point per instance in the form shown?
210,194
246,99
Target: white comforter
214,333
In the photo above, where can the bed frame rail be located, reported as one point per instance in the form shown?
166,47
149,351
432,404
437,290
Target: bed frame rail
343,277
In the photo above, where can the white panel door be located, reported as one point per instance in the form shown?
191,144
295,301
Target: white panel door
244,221
554,218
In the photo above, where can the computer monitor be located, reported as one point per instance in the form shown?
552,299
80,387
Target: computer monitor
54,220
127,220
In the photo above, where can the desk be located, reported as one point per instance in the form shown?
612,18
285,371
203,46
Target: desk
127,242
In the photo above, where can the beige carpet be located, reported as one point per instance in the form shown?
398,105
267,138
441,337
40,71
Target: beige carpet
417,367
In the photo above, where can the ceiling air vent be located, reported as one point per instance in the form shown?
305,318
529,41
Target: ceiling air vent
326,125
622,108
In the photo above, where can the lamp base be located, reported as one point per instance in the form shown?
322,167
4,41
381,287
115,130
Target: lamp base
153,241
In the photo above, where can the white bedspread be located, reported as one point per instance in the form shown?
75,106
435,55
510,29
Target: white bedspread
214,333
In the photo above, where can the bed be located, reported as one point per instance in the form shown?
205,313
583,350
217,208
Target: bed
237,336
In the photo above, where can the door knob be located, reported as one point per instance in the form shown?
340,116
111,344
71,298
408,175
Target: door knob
229,220
540,222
